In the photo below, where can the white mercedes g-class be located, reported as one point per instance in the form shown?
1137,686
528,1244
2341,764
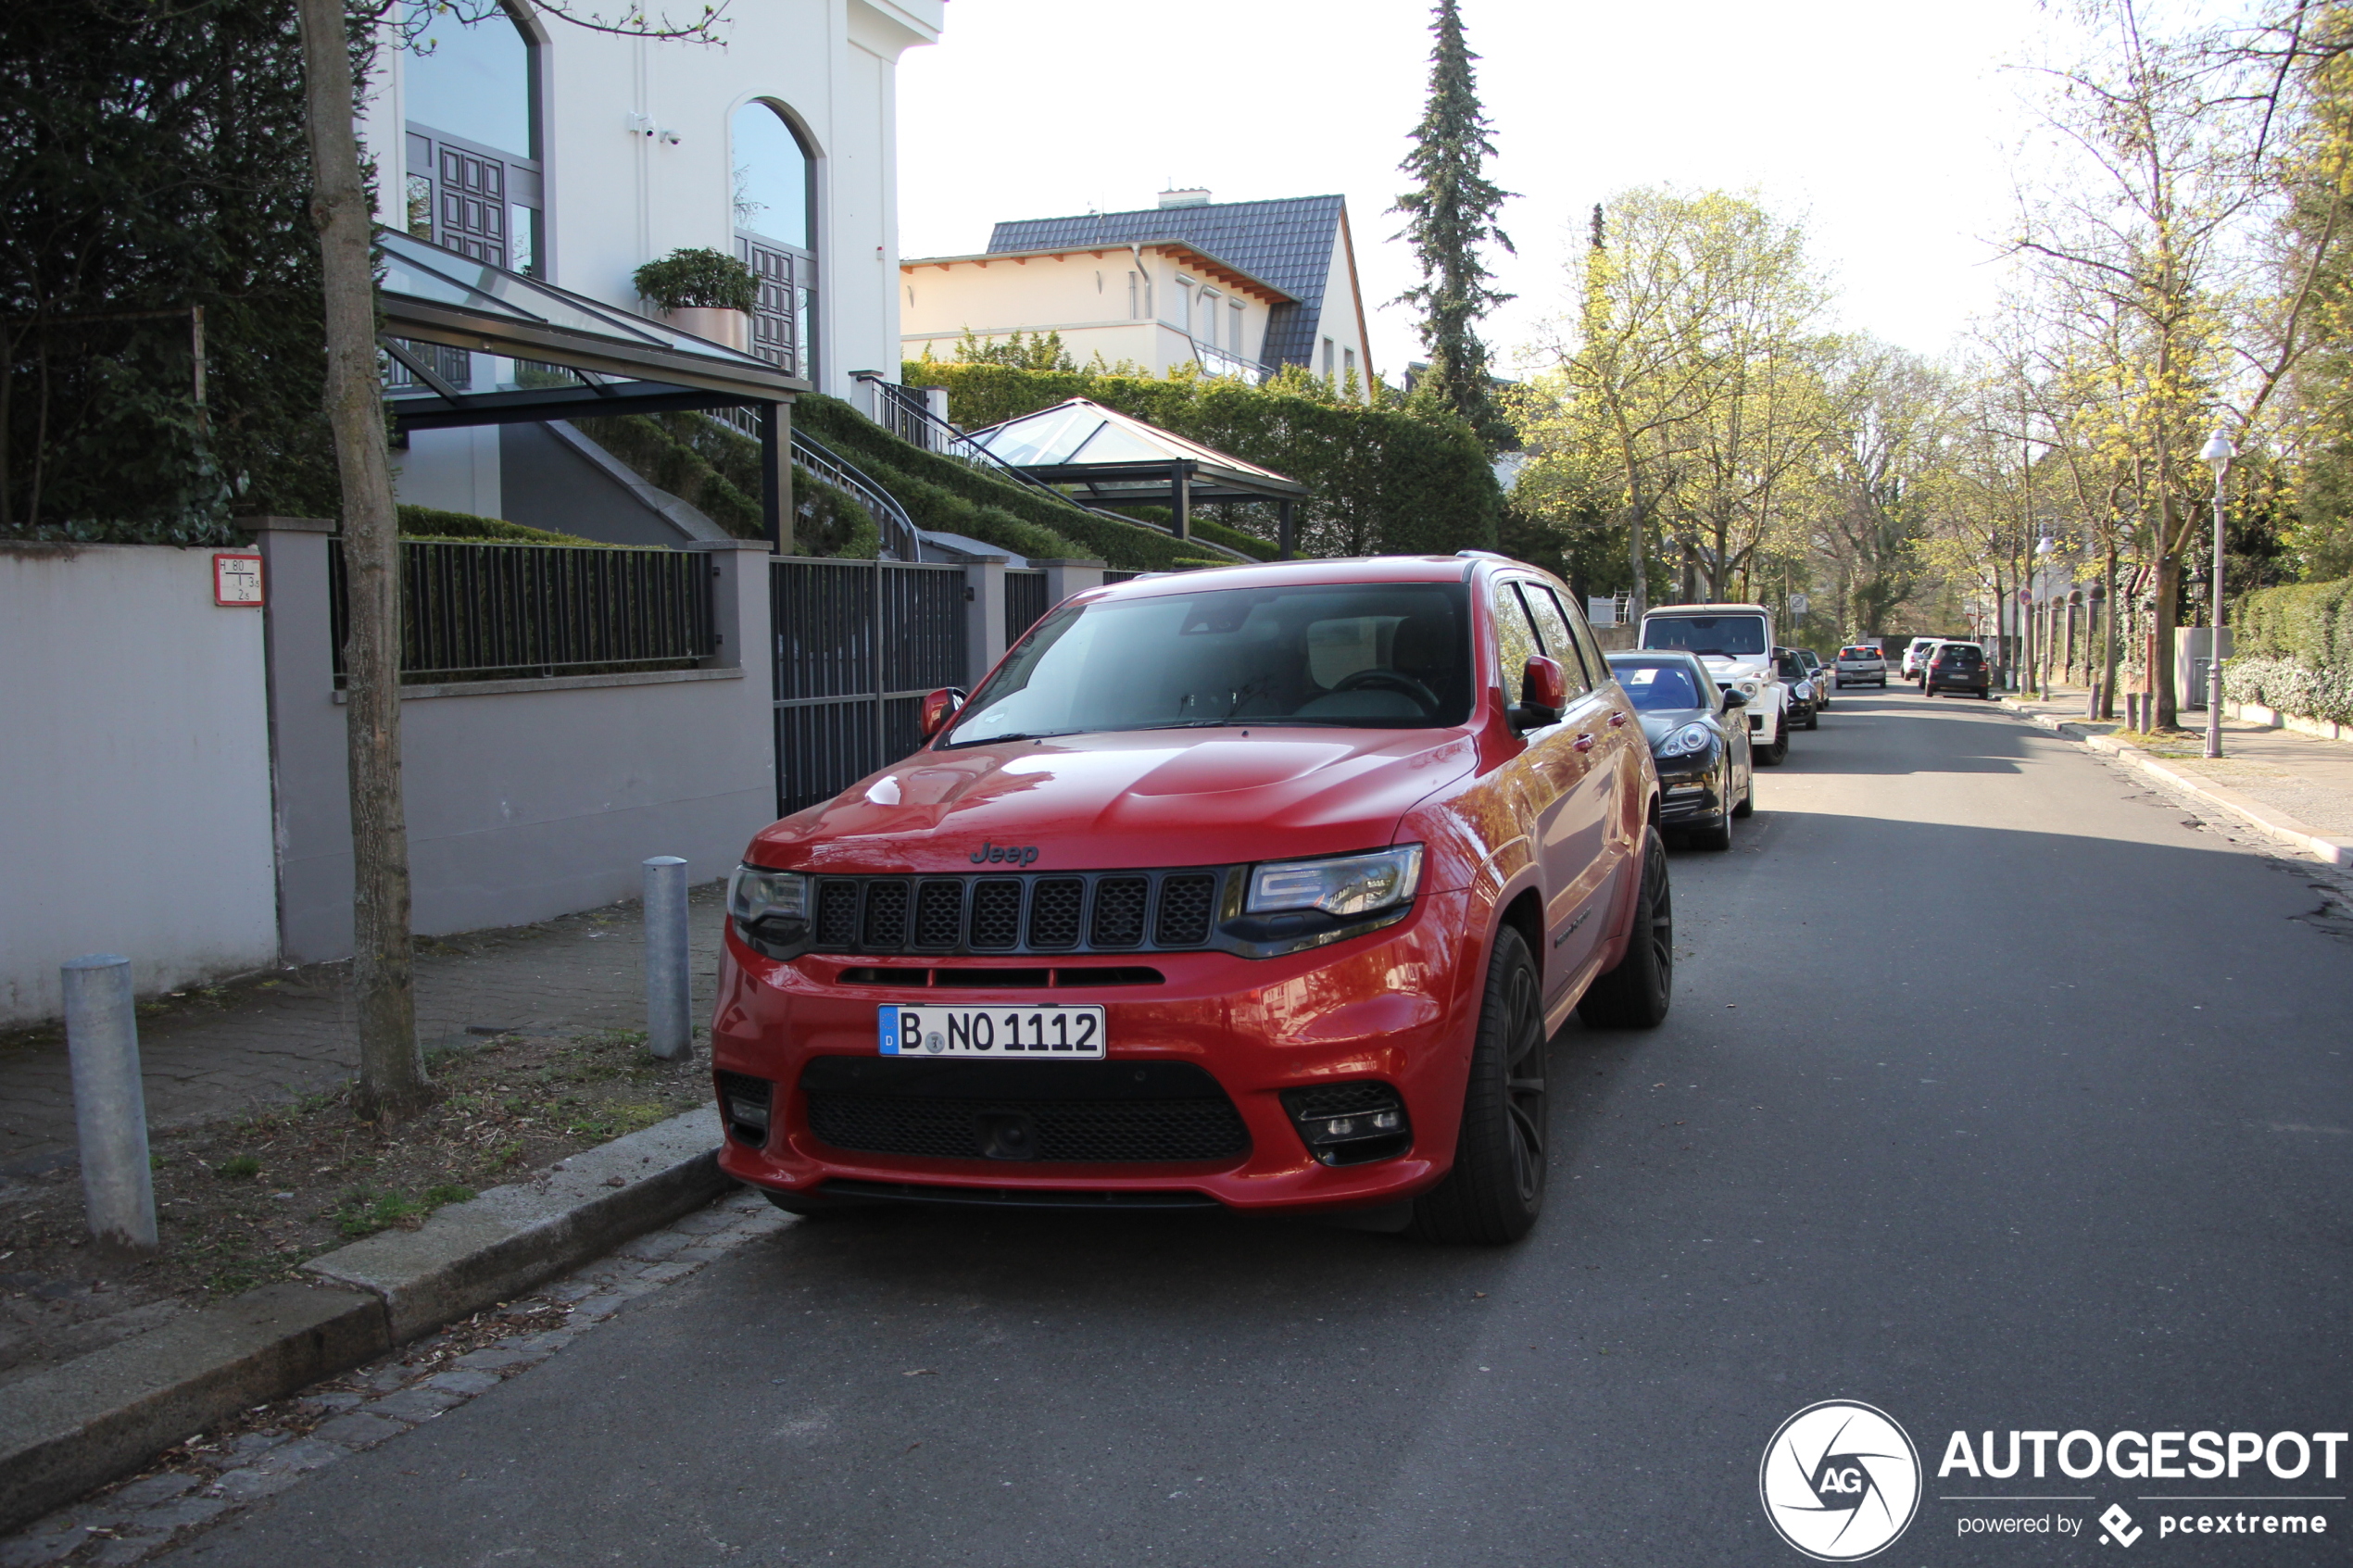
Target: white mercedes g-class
1736,644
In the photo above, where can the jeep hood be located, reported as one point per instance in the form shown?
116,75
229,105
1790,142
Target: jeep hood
1132,798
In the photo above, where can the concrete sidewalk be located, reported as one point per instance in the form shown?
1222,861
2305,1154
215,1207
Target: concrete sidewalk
271,1038
2294,787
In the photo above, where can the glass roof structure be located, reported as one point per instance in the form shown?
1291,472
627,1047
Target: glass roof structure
472,343
1115,458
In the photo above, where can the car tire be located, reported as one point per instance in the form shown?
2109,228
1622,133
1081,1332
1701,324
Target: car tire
1814,720
1776,753
1719,835
1637,993
1496,1188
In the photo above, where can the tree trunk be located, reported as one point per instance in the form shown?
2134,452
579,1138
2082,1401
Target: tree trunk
2108,636
2168,595
392,1066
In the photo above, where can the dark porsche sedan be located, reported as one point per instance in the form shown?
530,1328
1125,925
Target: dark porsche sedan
1699,740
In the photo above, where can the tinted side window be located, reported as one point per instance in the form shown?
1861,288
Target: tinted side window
1515,639
1560,644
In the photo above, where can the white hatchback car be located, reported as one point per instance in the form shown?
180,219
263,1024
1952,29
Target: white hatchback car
1916,657
1860,665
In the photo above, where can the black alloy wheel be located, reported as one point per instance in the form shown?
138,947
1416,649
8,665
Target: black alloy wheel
1637,993
1718,835
1776,753
1496,1188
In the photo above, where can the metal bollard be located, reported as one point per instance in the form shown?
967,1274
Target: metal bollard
110,1104
670,1026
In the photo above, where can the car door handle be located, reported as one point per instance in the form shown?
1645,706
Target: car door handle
1617,718
1584,743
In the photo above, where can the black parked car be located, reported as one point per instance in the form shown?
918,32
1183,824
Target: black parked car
1699,738
1805,697
1958,667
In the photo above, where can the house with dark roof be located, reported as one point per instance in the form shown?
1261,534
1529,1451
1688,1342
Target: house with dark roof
1239,288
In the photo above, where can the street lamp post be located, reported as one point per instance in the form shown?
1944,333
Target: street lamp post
2218,454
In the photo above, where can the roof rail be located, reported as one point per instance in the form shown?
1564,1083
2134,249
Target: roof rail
1481,555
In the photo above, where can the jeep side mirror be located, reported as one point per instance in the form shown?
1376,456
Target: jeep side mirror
1544,693
1734,698
939,707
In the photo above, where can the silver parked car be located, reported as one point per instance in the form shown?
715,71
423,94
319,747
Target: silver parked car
1859,665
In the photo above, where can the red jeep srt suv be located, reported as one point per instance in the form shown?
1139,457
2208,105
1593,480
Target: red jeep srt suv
1262,886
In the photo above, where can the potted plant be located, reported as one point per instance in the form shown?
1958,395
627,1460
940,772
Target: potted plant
706,293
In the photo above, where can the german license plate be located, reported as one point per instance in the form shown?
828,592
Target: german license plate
1069,1033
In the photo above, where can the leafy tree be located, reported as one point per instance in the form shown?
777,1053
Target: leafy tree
1450,214
153,240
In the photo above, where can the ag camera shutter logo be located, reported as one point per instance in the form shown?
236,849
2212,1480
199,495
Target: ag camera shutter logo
1840,1481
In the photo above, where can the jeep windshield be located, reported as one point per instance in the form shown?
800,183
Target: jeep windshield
1729,636
1368,655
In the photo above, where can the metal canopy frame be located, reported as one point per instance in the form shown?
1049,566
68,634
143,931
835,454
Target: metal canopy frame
610,362
1187,473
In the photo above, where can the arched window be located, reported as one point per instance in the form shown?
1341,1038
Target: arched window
776,201
472,102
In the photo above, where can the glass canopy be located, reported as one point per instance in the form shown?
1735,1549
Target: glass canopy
1080,435
474,343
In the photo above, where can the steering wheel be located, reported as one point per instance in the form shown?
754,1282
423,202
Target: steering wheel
1393,681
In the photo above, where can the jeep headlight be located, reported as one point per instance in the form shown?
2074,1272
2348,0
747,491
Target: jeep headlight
1347,885
754,894
1687,740
1750,688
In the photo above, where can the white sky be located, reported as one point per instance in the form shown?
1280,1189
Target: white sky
1883,123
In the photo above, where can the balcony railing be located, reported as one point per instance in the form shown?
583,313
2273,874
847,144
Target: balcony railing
1216,361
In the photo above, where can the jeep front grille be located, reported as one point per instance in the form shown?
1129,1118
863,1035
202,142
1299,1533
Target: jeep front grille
1031,912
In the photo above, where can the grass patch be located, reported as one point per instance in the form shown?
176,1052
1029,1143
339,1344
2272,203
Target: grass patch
238,1168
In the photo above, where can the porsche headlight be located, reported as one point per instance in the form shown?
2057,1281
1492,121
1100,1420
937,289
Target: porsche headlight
1687,740
1346,886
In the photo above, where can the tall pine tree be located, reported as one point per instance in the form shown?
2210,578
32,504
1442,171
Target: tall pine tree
1449,214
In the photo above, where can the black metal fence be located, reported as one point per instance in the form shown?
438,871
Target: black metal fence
1025,600
498,611
858,643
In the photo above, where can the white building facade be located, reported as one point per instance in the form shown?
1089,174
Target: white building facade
1240,288
1155,305
576,155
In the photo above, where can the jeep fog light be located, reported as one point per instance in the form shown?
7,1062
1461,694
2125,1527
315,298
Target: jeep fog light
1351,885
744,1102
1350,1124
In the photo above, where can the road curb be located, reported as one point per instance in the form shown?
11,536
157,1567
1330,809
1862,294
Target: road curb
99,1417
2302,835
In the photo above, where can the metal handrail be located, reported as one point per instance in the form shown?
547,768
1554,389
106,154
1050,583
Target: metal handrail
901,535
907,418
1216,361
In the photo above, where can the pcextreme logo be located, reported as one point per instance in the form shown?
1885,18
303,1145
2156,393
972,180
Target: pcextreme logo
1840,1481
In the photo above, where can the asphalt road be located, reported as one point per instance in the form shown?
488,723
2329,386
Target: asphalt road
1995,1096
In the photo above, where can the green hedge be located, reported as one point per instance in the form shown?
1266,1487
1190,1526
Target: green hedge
431,522
942,494
1380,482
2306,623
